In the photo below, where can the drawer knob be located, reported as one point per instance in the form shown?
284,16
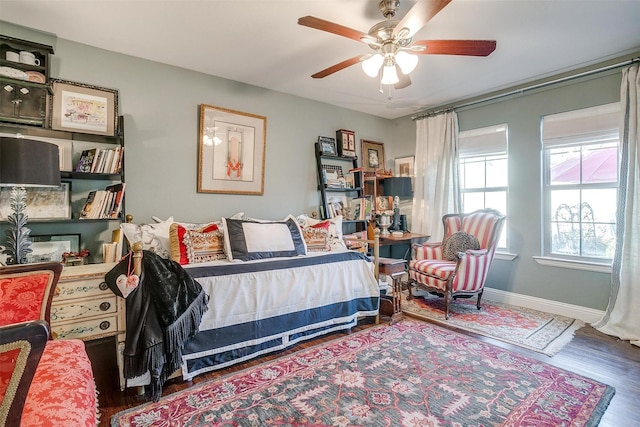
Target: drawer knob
105,325
103,286
105,306
56,293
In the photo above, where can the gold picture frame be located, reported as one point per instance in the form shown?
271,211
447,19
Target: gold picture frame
231,151
82,108
404,166
372,156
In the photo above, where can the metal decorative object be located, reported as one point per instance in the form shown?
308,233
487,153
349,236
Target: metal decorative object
18,242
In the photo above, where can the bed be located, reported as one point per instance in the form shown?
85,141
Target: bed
265,300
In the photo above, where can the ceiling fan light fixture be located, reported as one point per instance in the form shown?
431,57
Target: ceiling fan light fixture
389,74
371,66
406,61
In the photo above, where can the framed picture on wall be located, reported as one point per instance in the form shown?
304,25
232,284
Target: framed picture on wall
404,166
79,107
231,151
372,155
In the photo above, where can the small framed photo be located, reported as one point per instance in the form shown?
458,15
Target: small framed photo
384,203
327,146
346,140
83,108
373,155
42,202
404,166
51,247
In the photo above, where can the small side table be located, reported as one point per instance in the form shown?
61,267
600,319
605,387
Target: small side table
393,268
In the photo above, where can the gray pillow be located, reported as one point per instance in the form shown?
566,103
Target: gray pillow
459,242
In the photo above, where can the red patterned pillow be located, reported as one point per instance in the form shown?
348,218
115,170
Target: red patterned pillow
317,237
196,245
24,297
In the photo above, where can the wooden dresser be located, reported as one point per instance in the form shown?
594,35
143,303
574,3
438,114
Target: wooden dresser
84,307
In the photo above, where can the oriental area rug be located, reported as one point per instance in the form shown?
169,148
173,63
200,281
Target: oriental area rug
531,329
409,374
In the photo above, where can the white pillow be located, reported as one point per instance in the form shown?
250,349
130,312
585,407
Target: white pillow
336,241
154,237
258,239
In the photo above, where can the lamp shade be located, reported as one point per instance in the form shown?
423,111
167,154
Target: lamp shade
398,186
28,163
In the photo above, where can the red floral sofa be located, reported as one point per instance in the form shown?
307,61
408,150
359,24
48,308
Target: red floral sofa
42,382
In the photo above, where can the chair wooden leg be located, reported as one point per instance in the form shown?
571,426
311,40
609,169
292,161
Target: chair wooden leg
447,300
479,298
409,286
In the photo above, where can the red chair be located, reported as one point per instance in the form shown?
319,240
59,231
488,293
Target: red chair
450,268
42,381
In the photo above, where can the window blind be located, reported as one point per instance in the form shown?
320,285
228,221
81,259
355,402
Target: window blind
490,140
599,124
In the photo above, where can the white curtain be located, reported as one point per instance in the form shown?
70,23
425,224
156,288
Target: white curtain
436,189
622,318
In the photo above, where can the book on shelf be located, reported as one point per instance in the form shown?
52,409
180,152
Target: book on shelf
100,160
104,204
85,162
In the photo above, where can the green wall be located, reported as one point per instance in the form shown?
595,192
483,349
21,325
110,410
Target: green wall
522,113
160,105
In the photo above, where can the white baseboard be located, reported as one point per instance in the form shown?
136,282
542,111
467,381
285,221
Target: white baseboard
587,315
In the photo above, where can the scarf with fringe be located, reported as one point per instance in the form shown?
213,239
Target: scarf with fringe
163,312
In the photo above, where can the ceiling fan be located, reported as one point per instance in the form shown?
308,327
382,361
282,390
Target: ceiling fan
391,40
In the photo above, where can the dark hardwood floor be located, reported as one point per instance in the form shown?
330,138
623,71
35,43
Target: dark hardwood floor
590,353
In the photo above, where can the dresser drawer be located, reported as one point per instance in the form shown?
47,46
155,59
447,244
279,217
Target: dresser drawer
86,329
90,287
61,310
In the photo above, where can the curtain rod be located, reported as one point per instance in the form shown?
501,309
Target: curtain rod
528,88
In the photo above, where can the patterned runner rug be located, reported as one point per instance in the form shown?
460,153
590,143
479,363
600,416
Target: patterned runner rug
410,374
535,330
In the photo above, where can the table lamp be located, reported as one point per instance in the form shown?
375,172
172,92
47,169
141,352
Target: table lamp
25,163
397,187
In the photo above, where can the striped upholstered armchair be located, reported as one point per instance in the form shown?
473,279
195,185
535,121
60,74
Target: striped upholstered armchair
458,266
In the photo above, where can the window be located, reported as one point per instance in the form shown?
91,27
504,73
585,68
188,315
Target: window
581,182
484,175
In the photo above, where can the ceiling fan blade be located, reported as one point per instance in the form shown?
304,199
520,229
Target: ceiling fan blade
456,47
419,15
404,80
331,27
337,67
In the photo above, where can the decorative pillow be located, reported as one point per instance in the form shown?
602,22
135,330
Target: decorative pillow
250,239
459,242
154,237
317,237
196,245
336,241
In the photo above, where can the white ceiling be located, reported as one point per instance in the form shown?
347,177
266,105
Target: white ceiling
259,42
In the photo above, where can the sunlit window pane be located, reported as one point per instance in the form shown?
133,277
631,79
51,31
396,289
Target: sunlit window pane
587,164
474,176
497,173
484,182
496,200
581,149
472,201
583,219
